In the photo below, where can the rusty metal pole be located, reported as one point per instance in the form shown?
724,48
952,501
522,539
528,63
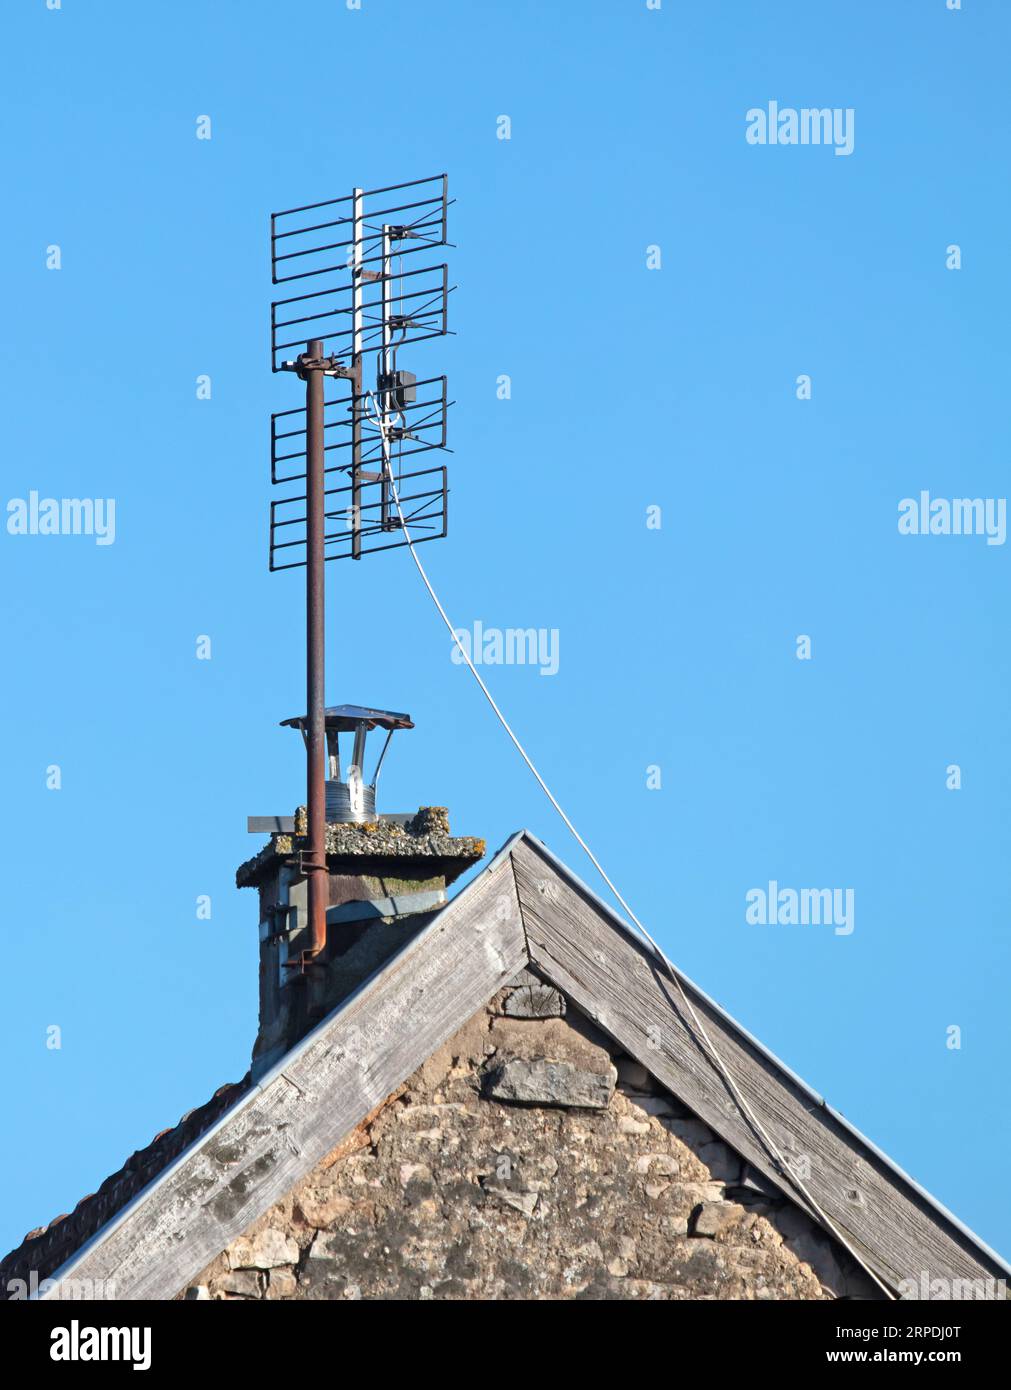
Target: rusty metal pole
315,857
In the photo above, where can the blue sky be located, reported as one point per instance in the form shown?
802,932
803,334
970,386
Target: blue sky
631,388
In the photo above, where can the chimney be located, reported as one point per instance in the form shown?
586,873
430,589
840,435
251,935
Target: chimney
386,877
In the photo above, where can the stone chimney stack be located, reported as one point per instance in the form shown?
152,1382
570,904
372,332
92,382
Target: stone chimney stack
387,877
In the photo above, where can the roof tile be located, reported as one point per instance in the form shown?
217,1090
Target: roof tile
46,1248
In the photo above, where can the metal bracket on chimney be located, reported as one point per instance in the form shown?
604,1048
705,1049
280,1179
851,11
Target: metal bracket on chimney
304,963
282,921
307,864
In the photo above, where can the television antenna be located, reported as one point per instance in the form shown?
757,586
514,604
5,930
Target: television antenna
367,285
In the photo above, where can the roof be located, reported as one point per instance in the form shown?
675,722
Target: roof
49,1246
525,908
346,718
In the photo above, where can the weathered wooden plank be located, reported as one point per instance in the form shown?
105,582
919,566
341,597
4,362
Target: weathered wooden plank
325,1087
614,979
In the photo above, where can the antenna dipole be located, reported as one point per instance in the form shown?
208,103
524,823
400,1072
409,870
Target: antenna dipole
361,311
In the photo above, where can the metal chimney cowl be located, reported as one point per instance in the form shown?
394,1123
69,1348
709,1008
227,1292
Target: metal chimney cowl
350,799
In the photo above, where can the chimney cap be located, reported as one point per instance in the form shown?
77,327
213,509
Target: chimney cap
346,718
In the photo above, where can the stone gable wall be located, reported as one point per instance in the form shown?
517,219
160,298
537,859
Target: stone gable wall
528,1159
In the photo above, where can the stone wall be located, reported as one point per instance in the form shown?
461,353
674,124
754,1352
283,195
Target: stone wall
528,1159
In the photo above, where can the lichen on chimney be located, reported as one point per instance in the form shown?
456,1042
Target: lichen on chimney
425,835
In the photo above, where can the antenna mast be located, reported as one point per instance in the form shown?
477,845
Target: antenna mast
370,305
